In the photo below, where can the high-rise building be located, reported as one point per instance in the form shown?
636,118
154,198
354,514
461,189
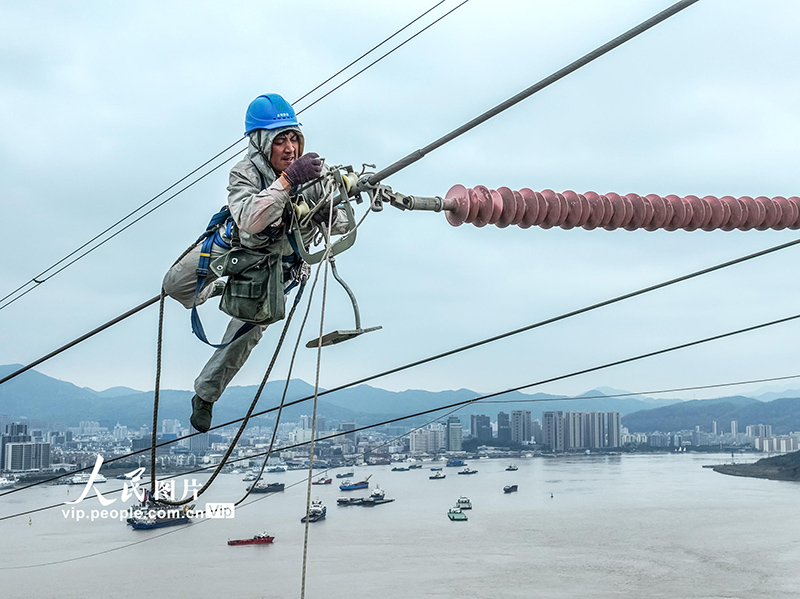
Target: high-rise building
481,427
348,426
168,426
428,440
199,444
27,456
594,431
613,430
536,431
454,433
553,430
503,428
759,430
120,432
520,426
573,430
734,427
15,433
714,425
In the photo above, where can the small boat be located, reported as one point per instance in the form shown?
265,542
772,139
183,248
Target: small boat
83,478
399,469
414,466
510,489
345,474
316,511
455,462
467,470
172,517
464,503
436,469
438,476
250,477
354,486
377,497
5,483
322,481
456,515
262,539
512,468
266,488
276,468
349,500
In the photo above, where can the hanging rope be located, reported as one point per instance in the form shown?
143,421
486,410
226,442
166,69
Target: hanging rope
242,427
285,387
326,260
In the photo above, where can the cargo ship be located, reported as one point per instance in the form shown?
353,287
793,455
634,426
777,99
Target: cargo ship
351,486
262,539
266,488
171,517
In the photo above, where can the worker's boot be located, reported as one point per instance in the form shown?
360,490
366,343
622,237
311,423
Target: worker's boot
201,414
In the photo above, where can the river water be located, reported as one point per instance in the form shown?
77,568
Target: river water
607,526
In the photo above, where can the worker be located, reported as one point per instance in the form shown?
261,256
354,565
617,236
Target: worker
260,199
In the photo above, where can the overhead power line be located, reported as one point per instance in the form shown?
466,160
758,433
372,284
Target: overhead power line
364,453
452,407
619,298
570,68
65,262
455,404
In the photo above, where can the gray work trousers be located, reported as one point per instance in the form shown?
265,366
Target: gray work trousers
180,283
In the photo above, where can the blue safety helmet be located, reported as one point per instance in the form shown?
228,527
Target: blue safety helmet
269,111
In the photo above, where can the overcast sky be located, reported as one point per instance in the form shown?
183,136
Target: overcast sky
103,105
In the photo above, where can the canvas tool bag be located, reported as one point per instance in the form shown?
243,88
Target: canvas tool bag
254,291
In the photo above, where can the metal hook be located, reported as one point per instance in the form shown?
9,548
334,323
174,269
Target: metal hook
342,335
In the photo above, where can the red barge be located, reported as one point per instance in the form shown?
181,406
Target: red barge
256,540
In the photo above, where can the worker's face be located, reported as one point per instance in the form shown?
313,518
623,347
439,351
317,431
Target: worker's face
285,150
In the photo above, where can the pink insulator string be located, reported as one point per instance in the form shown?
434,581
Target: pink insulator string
527,208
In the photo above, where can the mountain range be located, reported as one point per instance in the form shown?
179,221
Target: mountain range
783,414
53,403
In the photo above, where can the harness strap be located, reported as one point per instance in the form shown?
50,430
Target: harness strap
212,237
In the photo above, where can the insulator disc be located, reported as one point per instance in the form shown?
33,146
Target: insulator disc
678,210
717,213
521,208
556,209
597,211
772,213
497,206
642,212
788,213
753,215
509,210
662,212
737,213
486,205
796,202
617,211
575,217
531,208
458,216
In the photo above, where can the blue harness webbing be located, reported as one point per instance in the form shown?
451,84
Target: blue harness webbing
212,237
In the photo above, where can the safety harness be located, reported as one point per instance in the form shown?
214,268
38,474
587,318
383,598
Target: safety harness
222,227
